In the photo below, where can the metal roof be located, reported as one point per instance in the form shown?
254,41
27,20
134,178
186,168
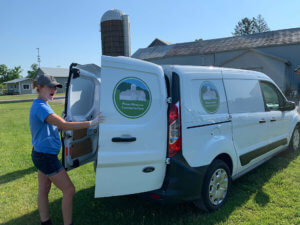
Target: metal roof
16,80
159,42
55,72
265,39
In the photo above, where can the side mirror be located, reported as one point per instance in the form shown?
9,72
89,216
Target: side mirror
289,105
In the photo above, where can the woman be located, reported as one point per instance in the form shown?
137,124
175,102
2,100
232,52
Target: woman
44,125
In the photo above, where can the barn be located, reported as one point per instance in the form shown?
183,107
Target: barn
275,53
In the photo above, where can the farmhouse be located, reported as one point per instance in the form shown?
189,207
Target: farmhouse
19,86
24,85
275,53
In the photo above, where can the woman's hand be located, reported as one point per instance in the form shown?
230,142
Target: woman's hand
97,120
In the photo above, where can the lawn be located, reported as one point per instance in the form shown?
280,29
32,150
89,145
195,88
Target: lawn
268,195
26,96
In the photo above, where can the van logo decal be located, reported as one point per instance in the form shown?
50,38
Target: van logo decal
209,97
132,97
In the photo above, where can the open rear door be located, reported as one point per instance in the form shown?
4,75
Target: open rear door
133,137
82,103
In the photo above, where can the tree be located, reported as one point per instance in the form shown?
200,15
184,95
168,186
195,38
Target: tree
261,25
14,73
32,73
199,39
7,74
245,26
3,72
251,26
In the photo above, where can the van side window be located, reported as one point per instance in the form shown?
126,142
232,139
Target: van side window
244,96
272,97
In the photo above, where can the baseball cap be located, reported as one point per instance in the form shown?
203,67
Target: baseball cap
297,68
48,80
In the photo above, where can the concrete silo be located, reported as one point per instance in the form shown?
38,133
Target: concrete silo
115,35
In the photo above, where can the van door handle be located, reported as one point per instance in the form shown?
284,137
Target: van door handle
262,121
273,120
123,139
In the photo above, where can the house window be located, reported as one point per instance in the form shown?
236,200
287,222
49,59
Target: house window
26,86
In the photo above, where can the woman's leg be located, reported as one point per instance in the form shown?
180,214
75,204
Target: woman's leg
63,182
43,202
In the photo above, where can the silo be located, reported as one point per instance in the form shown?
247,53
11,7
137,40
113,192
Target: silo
115,35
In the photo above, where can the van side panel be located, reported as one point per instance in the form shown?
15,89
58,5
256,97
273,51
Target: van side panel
206,125
249,119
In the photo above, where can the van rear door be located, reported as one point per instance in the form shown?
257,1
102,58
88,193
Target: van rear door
82,103
133,137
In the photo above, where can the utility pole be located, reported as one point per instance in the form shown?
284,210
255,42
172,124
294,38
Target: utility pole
38,57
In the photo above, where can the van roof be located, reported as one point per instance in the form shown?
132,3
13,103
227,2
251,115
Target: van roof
186,70
138,65
226,72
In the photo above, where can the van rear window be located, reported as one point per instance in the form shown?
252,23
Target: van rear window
81,96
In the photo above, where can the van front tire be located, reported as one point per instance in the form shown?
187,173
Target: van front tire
294,145
216,185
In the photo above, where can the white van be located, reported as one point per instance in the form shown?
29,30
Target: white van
175,133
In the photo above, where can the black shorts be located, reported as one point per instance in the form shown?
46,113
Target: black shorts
47,163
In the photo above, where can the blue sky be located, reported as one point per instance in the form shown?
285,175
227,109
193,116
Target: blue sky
67,31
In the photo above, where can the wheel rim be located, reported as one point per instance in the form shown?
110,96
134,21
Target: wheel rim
296,140
218,187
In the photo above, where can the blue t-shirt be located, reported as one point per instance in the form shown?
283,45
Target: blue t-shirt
45,137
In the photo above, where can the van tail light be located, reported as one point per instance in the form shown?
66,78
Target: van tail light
174,129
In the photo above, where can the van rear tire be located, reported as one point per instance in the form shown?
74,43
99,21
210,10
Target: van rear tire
294,145
216,185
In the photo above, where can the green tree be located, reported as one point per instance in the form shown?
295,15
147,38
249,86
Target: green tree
260,24
199,39
32,73
2,89
251,26
3,72
7,74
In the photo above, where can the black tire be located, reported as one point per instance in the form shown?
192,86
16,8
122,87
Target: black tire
217,170
294,145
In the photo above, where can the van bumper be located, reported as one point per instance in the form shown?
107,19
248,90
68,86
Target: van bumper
182,182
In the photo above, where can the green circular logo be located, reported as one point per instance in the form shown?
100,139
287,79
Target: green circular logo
132,97
209,97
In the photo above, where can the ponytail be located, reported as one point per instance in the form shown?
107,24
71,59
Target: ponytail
36,86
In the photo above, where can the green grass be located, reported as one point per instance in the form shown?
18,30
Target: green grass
26,96
269,194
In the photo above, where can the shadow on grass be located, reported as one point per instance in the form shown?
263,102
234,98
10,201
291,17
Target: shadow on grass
137,211
16,175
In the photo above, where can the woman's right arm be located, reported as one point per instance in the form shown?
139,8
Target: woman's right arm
65,125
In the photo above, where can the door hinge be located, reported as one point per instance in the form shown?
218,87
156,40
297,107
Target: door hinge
168,161
75,72
66,134
169,100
